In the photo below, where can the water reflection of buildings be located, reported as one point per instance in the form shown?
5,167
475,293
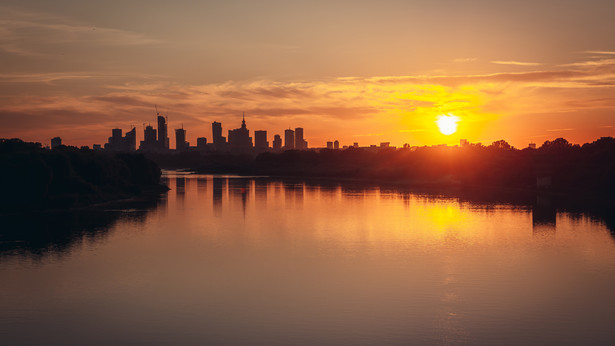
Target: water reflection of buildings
260,190
239,188
201,185
293,195
218,185
180,189
544,216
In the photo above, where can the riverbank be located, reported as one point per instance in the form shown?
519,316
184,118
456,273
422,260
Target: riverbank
68,178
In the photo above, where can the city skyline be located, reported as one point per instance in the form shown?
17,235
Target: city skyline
158,140
371,71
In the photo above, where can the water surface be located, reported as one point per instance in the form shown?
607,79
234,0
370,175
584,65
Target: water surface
229,260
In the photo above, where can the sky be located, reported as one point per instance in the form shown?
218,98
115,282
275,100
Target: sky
355,71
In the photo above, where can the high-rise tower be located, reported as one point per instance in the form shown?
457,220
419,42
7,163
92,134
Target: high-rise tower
289,139
163,137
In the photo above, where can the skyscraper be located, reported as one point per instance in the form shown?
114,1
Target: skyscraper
240,138
289,139
149,142
300,143
118,143
163,138
130,140
336,144
260,140
180,140
329,145
277,142
216,134
115,139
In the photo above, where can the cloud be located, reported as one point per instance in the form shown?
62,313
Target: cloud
600,52
460,60
517,63
592,63
369,135
36,34
558,130
387,104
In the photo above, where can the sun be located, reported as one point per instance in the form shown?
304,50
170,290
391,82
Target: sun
447,123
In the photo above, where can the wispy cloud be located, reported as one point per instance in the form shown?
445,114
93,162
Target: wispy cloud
601,52
590,63
369,135
33,34
393,105
558,130
517,63
460,60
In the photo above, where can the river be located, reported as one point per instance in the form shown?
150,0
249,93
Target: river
241,260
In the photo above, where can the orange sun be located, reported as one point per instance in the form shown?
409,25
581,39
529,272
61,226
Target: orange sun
447,123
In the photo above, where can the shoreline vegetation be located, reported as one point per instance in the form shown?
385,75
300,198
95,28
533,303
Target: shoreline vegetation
68,178
558,168
580,176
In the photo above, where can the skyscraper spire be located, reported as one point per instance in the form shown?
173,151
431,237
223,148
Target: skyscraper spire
243,121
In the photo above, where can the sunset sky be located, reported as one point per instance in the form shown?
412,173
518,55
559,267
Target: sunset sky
356,71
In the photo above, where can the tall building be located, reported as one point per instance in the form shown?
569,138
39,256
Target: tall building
240,138
130,140
300,143
201,143
163,137
277,142
116,139
260,140
117,142
149,142
329,145
336,144
216,134
180,140
56,142
289,139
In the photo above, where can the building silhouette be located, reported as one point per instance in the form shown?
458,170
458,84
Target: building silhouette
163,138
239,139
201,143
289,139
277,142
329,145
117,142
149,142
56,142
260,139
216,132
180,140
300,143
336,144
